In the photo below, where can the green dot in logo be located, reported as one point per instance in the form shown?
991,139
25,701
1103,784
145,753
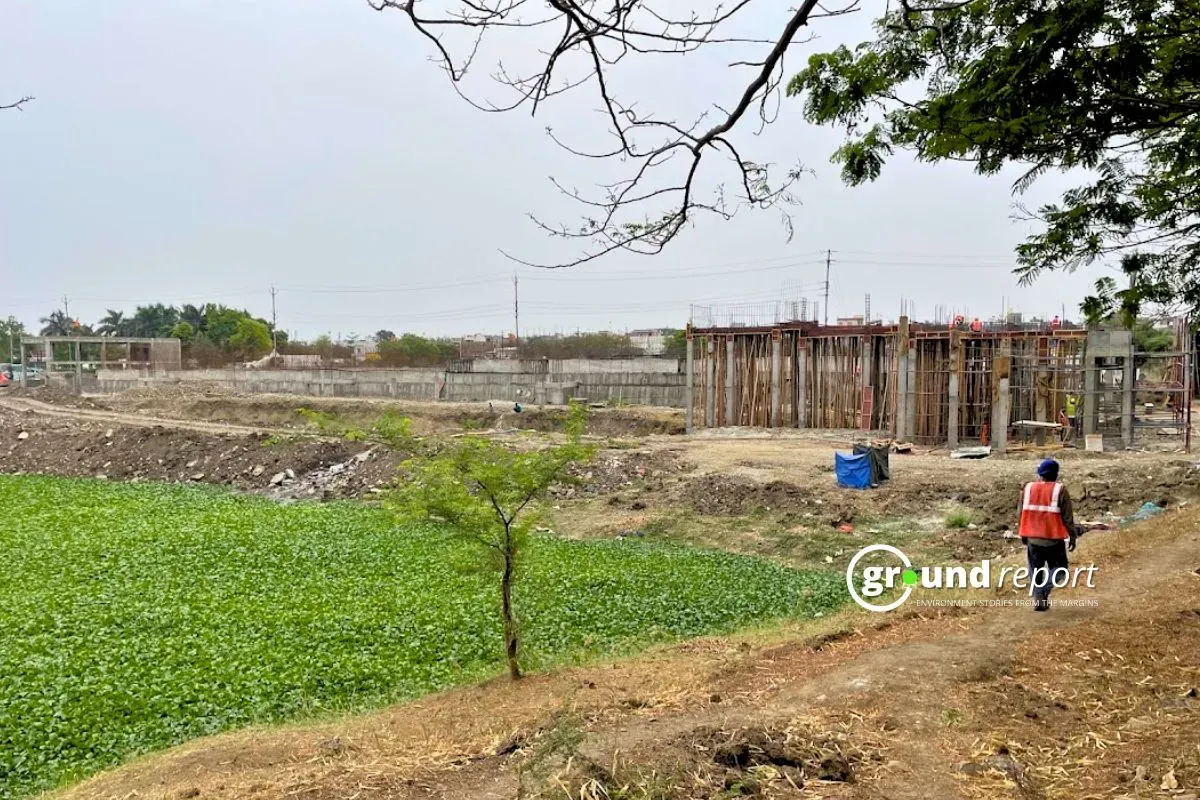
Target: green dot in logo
909,576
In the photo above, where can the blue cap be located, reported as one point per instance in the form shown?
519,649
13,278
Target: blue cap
1048,468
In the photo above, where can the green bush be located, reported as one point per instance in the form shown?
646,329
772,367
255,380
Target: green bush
958,517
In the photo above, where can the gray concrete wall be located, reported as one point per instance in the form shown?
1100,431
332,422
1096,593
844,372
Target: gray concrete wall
552,383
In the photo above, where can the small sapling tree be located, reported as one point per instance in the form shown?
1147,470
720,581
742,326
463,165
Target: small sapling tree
489,494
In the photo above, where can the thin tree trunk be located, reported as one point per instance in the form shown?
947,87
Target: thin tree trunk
506,609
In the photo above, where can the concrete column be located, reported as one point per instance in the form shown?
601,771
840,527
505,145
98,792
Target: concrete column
1001,390
900,424
776,377
910,410
1000,412
1128,380
78,369
801,384
710,364
1091,395
952,415
1041,394
730,384
24,366
866,362
691,389
956,367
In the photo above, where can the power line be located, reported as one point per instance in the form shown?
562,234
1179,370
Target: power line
828,259
274,324
923,264
674,275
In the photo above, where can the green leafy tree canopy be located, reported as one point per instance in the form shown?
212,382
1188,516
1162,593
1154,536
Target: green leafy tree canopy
11,331
1108,87
488,493
251,338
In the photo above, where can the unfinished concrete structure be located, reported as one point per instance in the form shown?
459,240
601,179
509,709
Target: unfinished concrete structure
919,382
75,360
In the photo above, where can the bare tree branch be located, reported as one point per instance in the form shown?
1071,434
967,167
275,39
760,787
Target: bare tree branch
662,193
17,105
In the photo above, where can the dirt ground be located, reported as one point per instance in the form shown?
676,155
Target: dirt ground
1084,702
645,471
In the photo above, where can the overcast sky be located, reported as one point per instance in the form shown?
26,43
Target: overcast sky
196,151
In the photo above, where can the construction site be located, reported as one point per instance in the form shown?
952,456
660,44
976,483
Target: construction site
936,385
930,384
730,453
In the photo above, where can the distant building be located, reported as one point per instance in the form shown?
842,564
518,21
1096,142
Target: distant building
478,345
651,341
363,347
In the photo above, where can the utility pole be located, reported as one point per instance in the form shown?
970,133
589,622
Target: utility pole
67,313
516,314
828,259
274,337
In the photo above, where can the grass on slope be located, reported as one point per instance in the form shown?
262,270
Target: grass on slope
136,616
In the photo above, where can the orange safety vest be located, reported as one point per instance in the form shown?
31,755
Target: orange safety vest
1040,512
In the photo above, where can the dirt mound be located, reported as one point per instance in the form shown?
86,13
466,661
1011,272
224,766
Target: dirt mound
1114,488
282,465
708,761
253,462
727,495
634,472
53,394
800,753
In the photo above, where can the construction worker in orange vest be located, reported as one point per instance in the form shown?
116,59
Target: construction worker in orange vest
1047,530
976,325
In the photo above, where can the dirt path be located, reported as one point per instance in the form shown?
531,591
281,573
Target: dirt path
25,404
1082,702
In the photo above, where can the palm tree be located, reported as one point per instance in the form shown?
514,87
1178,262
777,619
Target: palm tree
113,324
57,324
193,316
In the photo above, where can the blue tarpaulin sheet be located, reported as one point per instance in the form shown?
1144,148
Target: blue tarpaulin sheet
853,472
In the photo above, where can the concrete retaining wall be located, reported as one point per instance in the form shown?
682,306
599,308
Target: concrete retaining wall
554,382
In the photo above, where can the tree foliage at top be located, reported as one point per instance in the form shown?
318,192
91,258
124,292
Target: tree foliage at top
412,350
11,331
580,345
58,323
1109,87
212,334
